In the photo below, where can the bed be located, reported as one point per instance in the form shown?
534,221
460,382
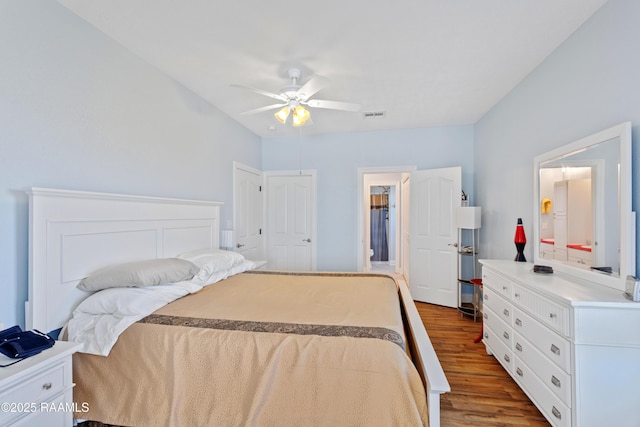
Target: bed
257,348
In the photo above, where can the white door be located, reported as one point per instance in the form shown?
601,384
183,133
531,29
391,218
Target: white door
291,222
247,212
405,227
433,235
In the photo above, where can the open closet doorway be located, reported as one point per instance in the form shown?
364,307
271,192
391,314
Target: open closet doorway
426,236
380,219
383,227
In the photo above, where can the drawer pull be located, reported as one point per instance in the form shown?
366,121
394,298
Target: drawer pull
486,335
517,295
486,297
507,358
505,334
552,315
485,316
504,288
555,381
518,322
519,372
556,413
506,312
555,350
47,386
518,346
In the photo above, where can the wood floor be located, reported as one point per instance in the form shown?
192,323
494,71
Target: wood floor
482,393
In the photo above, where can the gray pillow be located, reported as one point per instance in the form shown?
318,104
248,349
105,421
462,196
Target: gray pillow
140,274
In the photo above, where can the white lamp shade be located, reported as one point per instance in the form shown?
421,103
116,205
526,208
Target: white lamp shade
468,217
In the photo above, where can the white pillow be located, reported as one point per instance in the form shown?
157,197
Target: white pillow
209,274
216,264
151,272
216,259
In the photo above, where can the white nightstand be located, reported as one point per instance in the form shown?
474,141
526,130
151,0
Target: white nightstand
38,391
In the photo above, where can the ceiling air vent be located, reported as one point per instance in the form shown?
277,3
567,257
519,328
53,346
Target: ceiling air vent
373,114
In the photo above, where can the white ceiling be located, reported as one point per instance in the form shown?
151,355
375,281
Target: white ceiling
423,62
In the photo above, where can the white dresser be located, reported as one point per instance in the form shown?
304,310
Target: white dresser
38,391
572,346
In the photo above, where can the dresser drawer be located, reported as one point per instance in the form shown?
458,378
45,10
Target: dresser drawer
556,412
552,314
550,344
36,389
549,373
498,348
48,418
499,305
26,397
497,282
504,332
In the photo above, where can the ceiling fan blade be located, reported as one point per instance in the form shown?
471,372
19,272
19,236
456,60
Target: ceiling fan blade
261,109
333,105
264,92
314,84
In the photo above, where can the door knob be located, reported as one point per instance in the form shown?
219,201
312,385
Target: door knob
306,240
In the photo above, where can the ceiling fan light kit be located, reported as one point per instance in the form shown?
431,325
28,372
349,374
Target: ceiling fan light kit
282,115
294,97
300,115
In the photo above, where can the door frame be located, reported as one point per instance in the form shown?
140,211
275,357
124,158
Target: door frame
366,178
314,205
231,224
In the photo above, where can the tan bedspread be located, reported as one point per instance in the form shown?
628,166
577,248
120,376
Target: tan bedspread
204,375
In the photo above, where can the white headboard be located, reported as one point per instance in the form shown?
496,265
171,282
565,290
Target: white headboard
73,233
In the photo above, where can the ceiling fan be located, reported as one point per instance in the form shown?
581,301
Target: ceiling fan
294,98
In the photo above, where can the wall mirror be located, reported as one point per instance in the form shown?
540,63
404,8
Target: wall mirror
583,223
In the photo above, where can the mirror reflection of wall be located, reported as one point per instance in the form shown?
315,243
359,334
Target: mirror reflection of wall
566,214
578,207
573,224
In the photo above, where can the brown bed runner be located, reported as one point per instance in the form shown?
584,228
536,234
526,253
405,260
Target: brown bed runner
278,327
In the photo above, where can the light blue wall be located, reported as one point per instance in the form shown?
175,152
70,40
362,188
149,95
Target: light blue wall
78,111
336,158
588,84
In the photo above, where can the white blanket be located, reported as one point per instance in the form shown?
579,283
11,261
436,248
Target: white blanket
103,316
100,319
